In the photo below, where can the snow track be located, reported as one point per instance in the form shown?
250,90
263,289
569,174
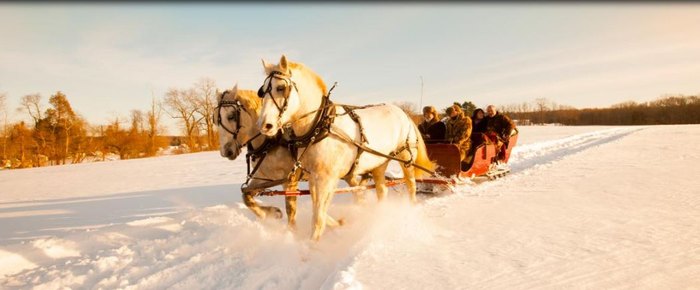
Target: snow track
224,247
532,155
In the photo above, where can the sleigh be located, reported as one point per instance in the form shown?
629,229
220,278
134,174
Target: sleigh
487,162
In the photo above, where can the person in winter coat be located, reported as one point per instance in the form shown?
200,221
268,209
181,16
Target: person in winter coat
498,123
479,121
459,129
501,126
431,128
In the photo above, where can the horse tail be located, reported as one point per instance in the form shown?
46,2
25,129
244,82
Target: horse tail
422,156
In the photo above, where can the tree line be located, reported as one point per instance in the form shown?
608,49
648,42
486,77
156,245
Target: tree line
56,134
672,109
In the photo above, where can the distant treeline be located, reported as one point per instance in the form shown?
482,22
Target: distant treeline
56,134
666,110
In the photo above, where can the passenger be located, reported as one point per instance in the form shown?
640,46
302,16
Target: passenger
431,128
459,129
498,123
501,126
479,121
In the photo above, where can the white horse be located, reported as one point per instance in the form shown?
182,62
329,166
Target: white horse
236,114
295,100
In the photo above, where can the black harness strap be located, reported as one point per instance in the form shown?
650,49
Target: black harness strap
260,154
375,152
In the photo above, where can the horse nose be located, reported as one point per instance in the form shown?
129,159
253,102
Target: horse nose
229,152
268,126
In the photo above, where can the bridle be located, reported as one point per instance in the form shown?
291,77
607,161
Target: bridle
237,107
287,78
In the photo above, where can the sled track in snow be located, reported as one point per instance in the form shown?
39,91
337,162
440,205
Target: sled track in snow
526,159
532,155
224,247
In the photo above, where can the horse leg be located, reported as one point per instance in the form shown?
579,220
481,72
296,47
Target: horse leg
290,203
357,196
321,195
333,223
379,181
261,212
409,176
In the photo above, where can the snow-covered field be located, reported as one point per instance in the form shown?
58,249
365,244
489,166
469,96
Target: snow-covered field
585,207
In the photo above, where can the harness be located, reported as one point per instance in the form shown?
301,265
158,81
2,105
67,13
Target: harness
259,154
252,153
322,127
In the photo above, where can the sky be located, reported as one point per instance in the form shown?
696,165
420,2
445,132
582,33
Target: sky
110,58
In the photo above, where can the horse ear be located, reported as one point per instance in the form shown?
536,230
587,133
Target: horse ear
235,88
267,66
283,63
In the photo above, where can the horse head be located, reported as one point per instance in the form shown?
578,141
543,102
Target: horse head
235,115
285,94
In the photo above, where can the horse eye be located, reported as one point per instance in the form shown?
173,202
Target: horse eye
231,117
280,89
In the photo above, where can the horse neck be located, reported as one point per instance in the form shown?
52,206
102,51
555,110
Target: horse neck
254,130
310,100
257,142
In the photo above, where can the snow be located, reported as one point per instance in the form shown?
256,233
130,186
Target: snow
585,207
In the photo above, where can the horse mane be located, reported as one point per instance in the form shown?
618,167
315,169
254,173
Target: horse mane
300,66
249,99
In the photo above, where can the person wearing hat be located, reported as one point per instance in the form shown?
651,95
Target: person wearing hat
459,129
431,128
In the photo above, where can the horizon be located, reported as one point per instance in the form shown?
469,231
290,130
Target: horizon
111,58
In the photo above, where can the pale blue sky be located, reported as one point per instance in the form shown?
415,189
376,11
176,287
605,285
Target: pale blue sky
108,58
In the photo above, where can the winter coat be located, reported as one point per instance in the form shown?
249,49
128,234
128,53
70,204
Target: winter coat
500,124
479,126
459,129
433,130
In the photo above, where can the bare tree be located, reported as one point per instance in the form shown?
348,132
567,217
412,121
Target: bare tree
153,127
205,106
408,107
541,104
32,105
137,118
136,136
181,104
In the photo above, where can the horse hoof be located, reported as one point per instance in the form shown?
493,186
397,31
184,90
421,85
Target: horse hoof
278,214
273,212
